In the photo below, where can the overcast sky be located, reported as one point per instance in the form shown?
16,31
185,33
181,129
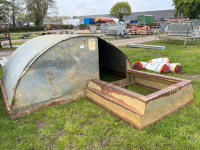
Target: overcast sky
95,7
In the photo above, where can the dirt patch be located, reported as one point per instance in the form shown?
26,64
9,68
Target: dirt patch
103,142
19,140
57,134
71,133
70,146
40,124
6,53
80,126
191,77
124,42
89,146
51,145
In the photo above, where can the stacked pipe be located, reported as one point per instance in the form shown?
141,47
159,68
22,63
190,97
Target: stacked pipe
161,65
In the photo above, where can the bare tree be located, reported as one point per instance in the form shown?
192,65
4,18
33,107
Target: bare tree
38,9
16,8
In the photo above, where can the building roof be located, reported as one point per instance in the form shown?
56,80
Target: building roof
169,13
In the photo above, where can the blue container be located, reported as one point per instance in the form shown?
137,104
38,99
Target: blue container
133,21
89,21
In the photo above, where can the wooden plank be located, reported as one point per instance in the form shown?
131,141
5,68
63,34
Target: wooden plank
2,29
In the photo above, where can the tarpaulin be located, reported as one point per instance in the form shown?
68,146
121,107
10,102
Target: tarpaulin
157,67
161,65
104,19
160,60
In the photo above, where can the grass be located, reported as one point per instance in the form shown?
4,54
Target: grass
18,34
13,48
14,36
83,125
8,48
18,43
134,36
17,38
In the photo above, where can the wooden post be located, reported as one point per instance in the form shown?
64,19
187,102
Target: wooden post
5,38
8,35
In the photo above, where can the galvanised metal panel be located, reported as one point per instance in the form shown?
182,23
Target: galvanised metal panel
146,46
62,70
22,57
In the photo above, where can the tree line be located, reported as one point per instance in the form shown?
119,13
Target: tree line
28,10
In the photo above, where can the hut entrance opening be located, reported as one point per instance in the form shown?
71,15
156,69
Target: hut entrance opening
112,62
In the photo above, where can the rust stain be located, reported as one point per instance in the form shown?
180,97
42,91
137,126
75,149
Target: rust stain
44,106
104,86
118,102
50,76
8,107
119,115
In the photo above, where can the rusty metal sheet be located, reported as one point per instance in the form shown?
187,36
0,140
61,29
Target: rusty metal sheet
138,110
51,66
62,70
24,55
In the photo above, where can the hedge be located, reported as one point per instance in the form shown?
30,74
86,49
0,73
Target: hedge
83,25
24,29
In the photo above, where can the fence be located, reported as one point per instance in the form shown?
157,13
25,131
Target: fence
179,31
116,29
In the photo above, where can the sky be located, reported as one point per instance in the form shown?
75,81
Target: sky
94,7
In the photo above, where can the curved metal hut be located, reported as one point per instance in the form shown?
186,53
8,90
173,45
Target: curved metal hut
53,69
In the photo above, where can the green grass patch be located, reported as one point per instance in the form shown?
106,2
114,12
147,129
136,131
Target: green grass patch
17,38
13,48
19,34
18,43
82,125
139,90
7,48
188,56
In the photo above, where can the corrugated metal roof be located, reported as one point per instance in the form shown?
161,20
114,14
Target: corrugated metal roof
157,14
21,57
20,61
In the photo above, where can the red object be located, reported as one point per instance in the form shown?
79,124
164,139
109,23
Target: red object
138,66
178,69
165,69
106,19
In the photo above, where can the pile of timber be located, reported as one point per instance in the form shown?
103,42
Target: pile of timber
133,29
144,30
